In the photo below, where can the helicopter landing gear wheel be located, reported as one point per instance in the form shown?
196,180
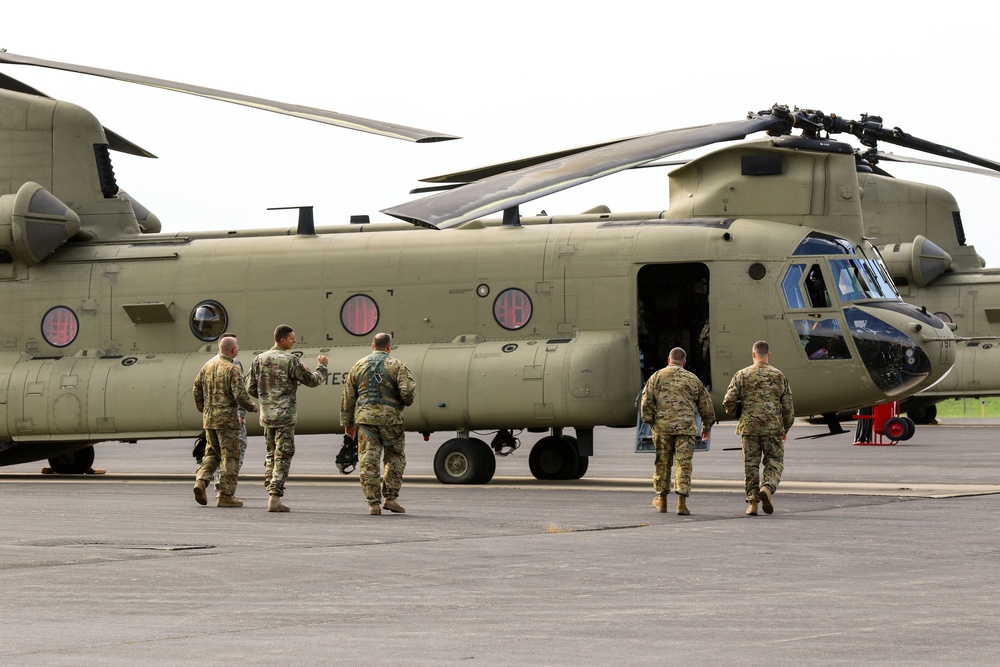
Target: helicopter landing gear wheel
73,463
464,461
553,457
582,463
924,415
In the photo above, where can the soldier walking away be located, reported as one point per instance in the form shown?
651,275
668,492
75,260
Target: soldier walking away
219,395
274,377
371,409
243,426
669,401
766,415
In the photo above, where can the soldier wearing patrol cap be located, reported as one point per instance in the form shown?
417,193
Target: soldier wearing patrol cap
371,409
669,400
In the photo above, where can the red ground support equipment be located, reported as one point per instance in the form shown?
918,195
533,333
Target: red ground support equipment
882,425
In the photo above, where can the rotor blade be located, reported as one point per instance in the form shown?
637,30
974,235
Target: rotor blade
891,157
479,173
308,113
870,128
510,189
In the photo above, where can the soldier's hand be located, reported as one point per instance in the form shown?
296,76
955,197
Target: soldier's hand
255,408
322,359
351,432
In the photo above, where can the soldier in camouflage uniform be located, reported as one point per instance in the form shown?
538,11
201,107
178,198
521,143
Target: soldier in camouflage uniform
219,395
371,409
243,426
767,415
669,401
274,377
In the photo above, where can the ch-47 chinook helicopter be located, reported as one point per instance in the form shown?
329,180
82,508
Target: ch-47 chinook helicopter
537,323
920,233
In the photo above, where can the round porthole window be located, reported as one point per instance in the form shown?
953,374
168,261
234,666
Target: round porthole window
512,309
60,326
209,320
359,314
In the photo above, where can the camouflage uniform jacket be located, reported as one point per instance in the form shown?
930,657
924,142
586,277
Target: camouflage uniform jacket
274,377
362,403
767,400
219,394
670,398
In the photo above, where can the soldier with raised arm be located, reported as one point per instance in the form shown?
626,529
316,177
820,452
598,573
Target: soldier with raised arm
274,377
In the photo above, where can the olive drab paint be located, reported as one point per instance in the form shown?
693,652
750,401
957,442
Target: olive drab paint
545,323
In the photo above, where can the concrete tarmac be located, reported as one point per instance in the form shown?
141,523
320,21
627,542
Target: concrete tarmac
874,555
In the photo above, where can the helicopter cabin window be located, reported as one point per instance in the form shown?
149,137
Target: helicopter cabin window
60,326
512,309
805,289
359,315
822,338
209,320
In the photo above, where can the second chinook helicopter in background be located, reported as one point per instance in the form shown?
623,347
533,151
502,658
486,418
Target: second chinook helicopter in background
921,235
543,323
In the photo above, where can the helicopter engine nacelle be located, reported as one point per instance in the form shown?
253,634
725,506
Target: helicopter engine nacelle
918,263
34,223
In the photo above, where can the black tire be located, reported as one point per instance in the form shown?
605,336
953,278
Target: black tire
582,463
911,428
459,461
73,463
489,460
895,428
924,415
553,457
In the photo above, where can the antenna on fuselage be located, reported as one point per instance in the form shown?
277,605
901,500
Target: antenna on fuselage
307,226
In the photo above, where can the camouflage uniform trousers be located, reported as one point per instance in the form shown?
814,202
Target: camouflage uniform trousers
676,449
766,449
243,453
373,442
280,450
222,446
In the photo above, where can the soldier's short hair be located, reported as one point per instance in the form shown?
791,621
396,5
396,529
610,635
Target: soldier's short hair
228,334
381,341
761,348
283,331
678,354
227,344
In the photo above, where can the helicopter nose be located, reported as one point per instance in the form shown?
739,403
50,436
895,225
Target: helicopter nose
904,349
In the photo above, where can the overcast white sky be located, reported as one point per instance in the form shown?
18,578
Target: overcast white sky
513,77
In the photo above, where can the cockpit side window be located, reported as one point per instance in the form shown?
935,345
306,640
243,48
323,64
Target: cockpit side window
805,287
822,338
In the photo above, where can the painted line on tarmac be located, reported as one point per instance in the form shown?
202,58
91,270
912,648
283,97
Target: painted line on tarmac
530,483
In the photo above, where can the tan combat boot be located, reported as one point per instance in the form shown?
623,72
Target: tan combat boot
765,500
660,502
199,492
374,510
228,501
393,506
752,508
682,507
274,504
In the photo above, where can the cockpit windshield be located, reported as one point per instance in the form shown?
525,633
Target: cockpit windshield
858,274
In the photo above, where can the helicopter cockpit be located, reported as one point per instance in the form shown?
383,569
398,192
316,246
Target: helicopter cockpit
861,285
